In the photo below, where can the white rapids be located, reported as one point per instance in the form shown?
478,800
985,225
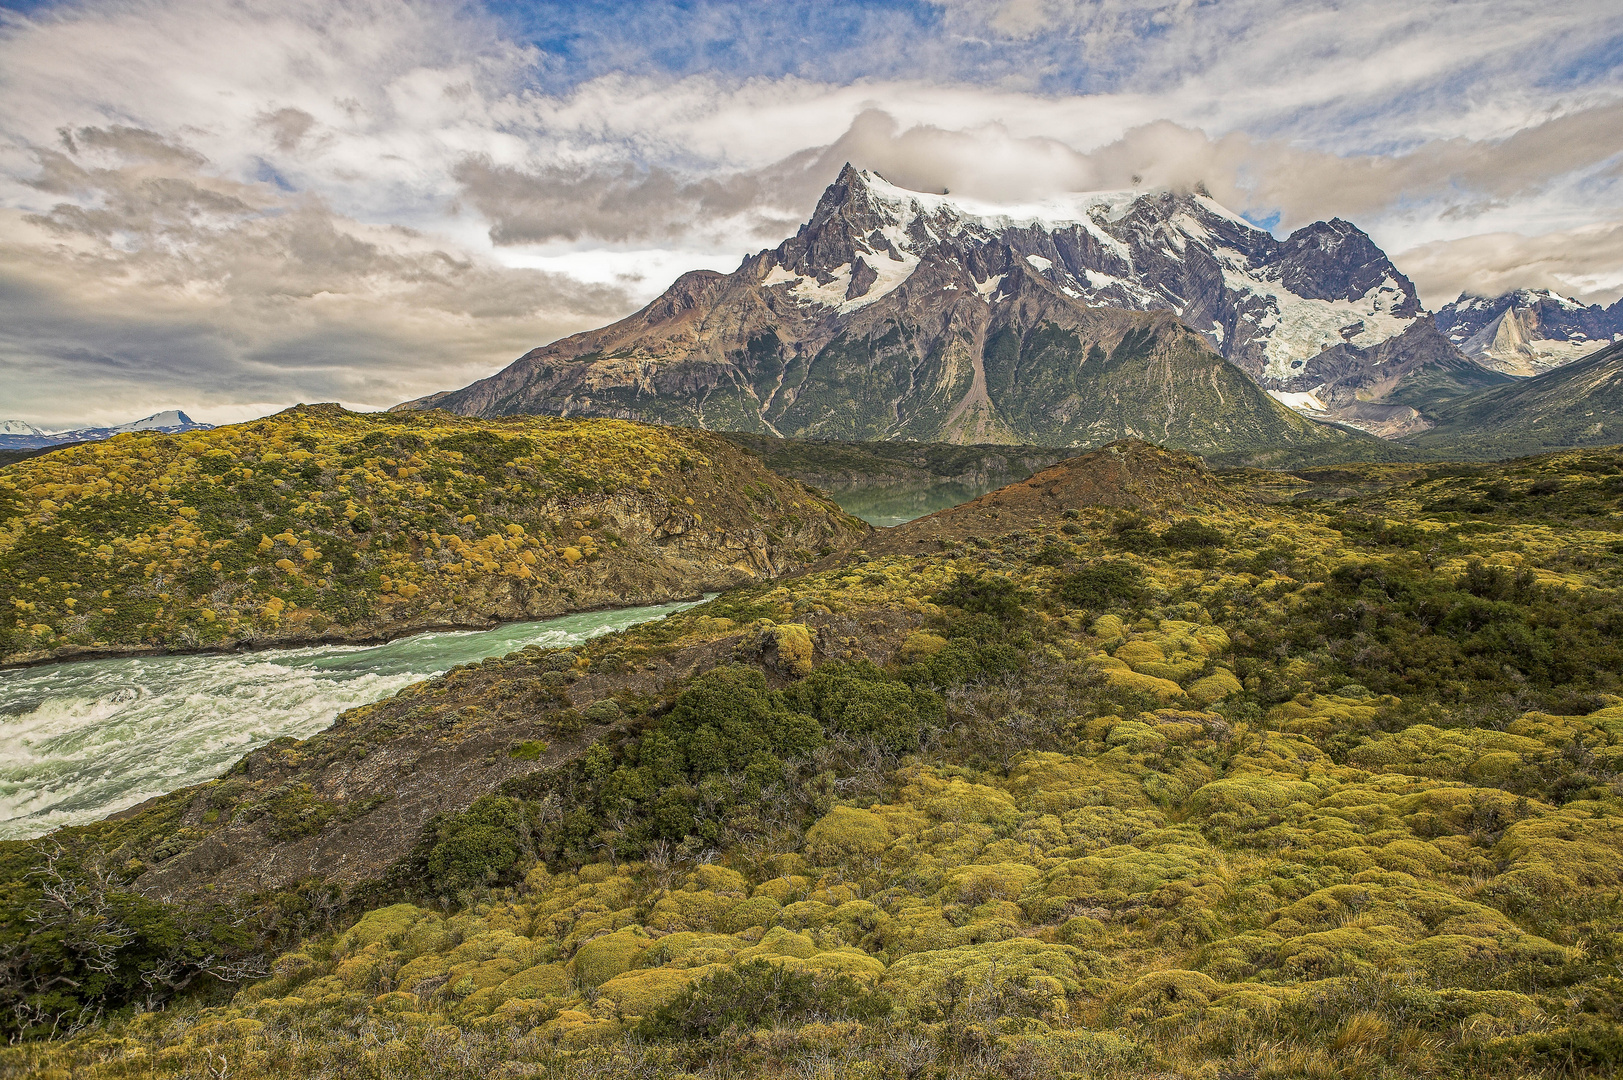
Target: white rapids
87,738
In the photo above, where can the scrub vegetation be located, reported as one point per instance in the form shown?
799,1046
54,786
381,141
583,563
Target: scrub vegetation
319,523
1173,782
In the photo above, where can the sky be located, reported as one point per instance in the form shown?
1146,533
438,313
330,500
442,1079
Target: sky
230,207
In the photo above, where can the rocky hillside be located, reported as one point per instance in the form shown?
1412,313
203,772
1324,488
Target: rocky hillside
902,315
1141,778
1529,331
1579,404
319,524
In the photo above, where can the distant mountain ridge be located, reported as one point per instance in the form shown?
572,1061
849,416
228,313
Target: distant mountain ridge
901,315
1529,331
20,435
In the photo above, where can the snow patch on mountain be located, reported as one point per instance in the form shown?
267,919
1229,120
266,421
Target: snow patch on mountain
1305,401
1298,328
169,420
833,292
947,217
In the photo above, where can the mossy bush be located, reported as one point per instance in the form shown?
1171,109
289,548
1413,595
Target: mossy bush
761,994
78,942
486,844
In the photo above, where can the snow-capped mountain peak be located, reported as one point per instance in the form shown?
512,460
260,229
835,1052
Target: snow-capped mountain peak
17,435
1269,305
926,293
169,420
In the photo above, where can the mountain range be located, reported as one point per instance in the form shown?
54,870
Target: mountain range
897,314
21,435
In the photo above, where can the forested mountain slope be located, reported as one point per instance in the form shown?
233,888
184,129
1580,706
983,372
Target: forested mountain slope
1580,404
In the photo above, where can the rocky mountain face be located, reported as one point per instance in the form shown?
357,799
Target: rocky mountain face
901,315
19,435
1529,331
1267,305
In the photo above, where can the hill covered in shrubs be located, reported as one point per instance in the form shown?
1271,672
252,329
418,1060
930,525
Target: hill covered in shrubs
322,524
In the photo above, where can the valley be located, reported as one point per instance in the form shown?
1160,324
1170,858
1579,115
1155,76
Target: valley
891,483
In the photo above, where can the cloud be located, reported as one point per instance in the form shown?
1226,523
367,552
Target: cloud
1451,179
131,143
172,286
1386,61
226,207
1586,263
1245,172
618,203
288,127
